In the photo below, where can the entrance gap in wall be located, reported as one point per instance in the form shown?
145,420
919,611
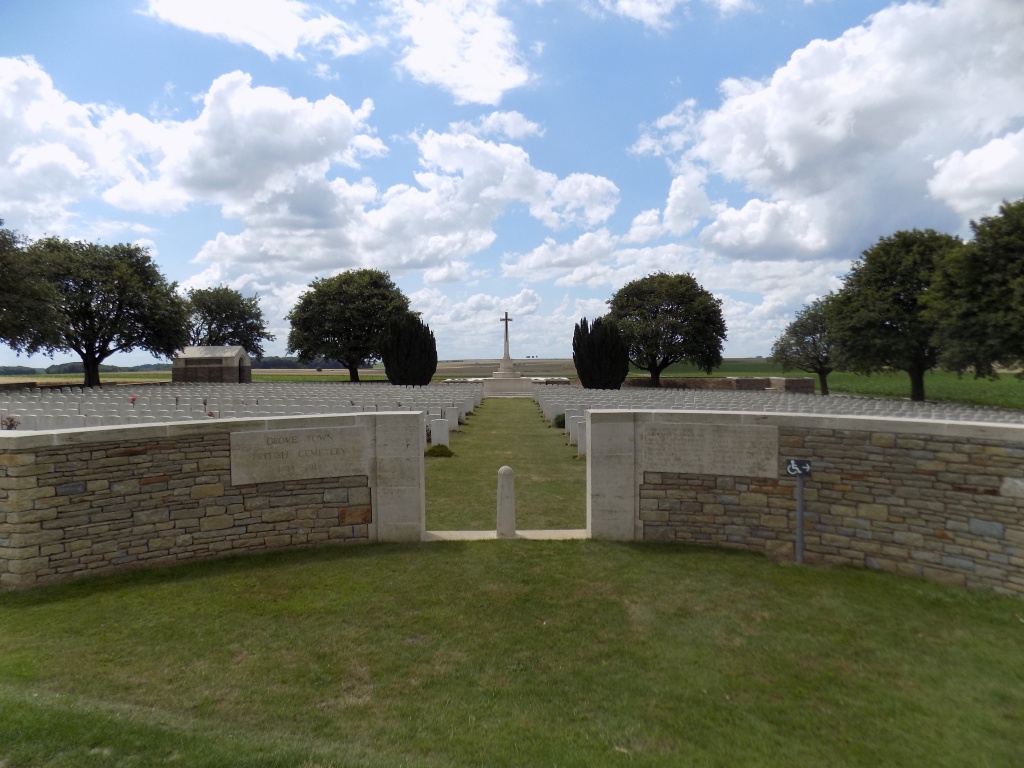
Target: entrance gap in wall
550,482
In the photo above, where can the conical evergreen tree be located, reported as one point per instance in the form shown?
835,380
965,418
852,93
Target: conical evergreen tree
600,354
408,350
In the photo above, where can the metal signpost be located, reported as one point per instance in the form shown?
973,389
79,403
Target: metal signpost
799,468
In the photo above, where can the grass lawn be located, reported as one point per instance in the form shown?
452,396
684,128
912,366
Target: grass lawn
509,653
550,481
505,653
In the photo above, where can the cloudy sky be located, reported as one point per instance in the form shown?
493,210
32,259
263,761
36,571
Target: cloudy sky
527,156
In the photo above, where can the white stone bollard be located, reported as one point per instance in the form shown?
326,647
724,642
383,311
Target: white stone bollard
439,431
506,503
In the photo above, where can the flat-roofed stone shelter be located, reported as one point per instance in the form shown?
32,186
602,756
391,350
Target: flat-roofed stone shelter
212,365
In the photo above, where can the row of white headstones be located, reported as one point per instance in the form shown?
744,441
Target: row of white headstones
575,402
77,408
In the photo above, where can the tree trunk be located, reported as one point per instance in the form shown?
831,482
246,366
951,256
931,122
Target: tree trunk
823,382
917,384
353,372
92,371
655,377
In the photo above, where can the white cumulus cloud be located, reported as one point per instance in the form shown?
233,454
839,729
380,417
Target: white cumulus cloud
273,27
512,125
973,183
248,142
658,14
462,46
858,136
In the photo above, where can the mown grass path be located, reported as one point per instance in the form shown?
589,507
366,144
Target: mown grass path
550,481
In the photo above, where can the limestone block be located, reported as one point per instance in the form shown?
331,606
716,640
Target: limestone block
988,528
397,532
873,511
19,553
28,566
215,464
17,483
34,538
207,491
400,470
399,512
355,516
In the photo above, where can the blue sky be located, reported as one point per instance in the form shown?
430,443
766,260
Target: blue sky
529,157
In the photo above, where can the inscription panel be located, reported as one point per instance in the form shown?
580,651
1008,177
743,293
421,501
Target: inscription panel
712,449
297,454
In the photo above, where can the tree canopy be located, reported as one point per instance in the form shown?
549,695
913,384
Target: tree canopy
977,297
806,344
879,319
408,350
600,354
106,299
26,300
222,317
666,319
342,318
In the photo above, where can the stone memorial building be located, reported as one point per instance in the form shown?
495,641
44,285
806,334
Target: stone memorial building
212,365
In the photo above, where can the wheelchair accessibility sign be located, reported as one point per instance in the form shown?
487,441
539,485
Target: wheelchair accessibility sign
798,468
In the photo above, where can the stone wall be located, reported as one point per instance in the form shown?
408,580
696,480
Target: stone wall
939,500
796,384
104,499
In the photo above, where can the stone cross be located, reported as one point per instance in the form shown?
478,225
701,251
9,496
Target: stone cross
506,320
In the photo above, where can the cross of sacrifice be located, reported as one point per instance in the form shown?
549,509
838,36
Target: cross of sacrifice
506,320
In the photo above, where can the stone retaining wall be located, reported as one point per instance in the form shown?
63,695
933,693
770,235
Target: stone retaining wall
104,499
939,500
796,384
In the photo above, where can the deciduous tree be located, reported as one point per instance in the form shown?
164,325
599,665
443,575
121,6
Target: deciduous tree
666,319
408,350
26,300
223,317
977,296
342,318
806,344
600,354
107,299
878,319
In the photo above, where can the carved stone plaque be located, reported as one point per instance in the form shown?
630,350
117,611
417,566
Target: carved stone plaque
297,454
712,449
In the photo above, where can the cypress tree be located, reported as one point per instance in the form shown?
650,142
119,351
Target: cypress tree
408,350
600,354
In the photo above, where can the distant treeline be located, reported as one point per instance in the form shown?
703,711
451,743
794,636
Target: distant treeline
266,362
291,362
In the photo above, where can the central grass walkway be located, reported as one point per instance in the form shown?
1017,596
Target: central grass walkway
550,481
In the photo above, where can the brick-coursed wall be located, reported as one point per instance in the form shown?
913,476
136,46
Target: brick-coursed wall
105,500
939,500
